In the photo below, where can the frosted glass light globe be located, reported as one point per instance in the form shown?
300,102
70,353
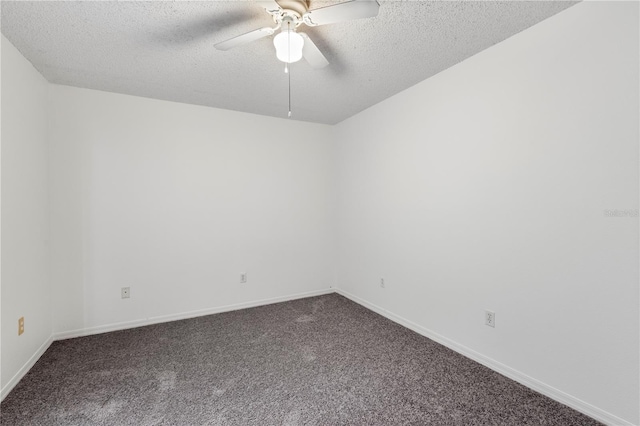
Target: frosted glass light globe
288,46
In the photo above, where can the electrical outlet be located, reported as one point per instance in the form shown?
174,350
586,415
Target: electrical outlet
20,326
243,277
490,318
382,282
125,292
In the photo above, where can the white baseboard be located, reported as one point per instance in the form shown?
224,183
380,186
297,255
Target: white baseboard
538,386
25,368
184,315
562,397
148,321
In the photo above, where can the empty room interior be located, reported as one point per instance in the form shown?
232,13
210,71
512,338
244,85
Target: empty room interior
296,212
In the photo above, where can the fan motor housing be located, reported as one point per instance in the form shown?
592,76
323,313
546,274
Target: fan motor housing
300,7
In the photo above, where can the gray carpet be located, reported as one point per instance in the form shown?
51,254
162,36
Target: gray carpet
317,361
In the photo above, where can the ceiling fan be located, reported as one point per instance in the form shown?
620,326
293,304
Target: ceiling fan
291,46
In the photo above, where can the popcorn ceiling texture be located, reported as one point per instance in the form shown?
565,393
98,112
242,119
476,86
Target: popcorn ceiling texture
316,361
164,50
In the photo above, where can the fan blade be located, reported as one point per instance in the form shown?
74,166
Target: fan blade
270,6
355,9
244,38
312,54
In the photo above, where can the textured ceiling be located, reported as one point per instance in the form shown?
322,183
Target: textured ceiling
164,50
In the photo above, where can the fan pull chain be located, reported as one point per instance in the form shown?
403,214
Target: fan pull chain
286,66
289,74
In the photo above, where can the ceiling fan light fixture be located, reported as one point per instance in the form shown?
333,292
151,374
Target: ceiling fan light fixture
288,45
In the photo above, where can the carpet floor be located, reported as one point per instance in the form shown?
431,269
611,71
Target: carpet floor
317,361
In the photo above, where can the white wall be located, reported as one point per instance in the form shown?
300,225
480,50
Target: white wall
485,187
175,201
25,286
